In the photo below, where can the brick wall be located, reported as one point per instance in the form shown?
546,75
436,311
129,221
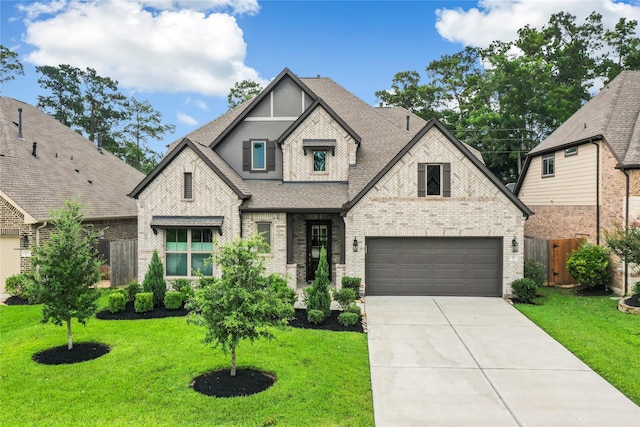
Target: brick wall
276,260
476,208
561,222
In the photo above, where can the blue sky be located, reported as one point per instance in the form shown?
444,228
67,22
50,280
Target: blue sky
184,55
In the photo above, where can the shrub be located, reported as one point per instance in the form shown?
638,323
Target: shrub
317,296
278,284
185,287
524,290
352,283
344,297
132,289
534,270
203,282
636,289
348,319
315,316
589,265
180,283
154,280
354,308
173,300
117,302
144,302
23,286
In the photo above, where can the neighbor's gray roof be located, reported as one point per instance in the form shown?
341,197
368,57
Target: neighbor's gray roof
276,195
613,114
66,165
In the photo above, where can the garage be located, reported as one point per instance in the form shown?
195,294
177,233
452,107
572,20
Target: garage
433,266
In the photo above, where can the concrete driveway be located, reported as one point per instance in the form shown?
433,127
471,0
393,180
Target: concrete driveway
456,361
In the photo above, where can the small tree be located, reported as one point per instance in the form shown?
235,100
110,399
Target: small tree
243,303
154,280
625,243
68,266
317,296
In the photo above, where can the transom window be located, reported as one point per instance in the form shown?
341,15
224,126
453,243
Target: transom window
186,251
548,166
258,155
571,151
319,161
264,230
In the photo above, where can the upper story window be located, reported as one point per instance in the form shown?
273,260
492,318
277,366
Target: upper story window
571,151
258,155
187,186
548,165
434,179
319,161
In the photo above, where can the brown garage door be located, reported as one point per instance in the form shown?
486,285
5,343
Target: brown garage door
433,266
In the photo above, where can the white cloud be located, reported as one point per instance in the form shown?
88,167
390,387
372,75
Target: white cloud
186,119
500,19
197,102
168,50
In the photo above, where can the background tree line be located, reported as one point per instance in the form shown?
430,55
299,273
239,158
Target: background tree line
504,99
94,106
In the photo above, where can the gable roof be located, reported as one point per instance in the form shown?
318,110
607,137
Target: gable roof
66,165
613,115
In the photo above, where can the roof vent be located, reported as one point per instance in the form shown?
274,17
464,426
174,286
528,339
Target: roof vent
20,124
408,118
33,149
99,143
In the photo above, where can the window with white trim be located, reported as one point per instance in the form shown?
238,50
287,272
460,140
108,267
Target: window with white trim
264,230
548,166
258,155
572,151
187,250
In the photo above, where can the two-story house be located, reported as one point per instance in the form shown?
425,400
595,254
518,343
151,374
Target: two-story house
585,177
394,200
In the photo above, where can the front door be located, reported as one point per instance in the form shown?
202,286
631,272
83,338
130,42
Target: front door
318,235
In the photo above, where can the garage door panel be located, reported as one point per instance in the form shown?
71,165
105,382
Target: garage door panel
434,266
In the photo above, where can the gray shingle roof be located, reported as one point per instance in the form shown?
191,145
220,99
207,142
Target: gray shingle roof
66,165
613,114
276,195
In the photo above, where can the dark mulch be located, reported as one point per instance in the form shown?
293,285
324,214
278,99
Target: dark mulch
330,324
221,384
595,291
129,313
634,301
16,300
81,352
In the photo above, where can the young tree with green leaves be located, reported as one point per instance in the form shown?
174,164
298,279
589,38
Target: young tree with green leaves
10,65
318,296
154,280
625,243
244,303
68,267
242,91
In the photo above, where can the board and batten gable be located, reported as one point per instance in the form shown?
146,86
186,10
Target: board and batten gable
164,197
266,121
476,208
318,126
573,182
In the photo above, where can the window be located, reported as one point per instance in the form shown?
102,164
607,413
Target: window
319,161
571,151
434,179
258,155
187,249
187,184
548,166
264,230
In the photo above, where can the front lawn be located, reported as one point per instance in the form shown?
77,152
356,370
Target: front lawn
322,377
593,329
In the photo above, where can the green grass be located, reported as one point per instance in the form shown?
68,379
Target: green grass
322,377
593,329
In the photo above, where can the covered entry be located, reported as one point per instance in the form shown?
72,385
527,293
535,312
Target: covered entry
433,266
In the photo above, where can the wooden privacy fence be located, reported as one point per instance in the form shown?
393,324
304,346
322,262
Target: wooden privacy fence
553,255
123,255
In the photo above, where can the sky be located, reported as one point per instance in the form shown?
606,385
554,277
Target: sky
183,56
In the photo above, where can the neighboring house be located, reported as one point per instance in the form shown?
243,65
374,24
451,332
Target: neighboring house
42,163
394,200
585,177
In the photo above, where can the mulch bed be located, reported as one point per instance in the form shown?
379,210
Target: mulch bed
130,313
15,300
330,324
595,291
81,352
220,383
634,301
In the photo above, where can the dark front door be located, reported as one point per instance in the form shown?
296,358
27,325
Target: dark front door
318,235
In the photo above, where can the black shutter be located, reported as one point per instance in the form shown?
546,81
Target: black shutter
271,155
421,179
446,179
246,155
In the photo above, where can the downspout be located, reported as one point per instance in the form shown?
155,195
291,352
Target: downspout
44,224
597,191
626,227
